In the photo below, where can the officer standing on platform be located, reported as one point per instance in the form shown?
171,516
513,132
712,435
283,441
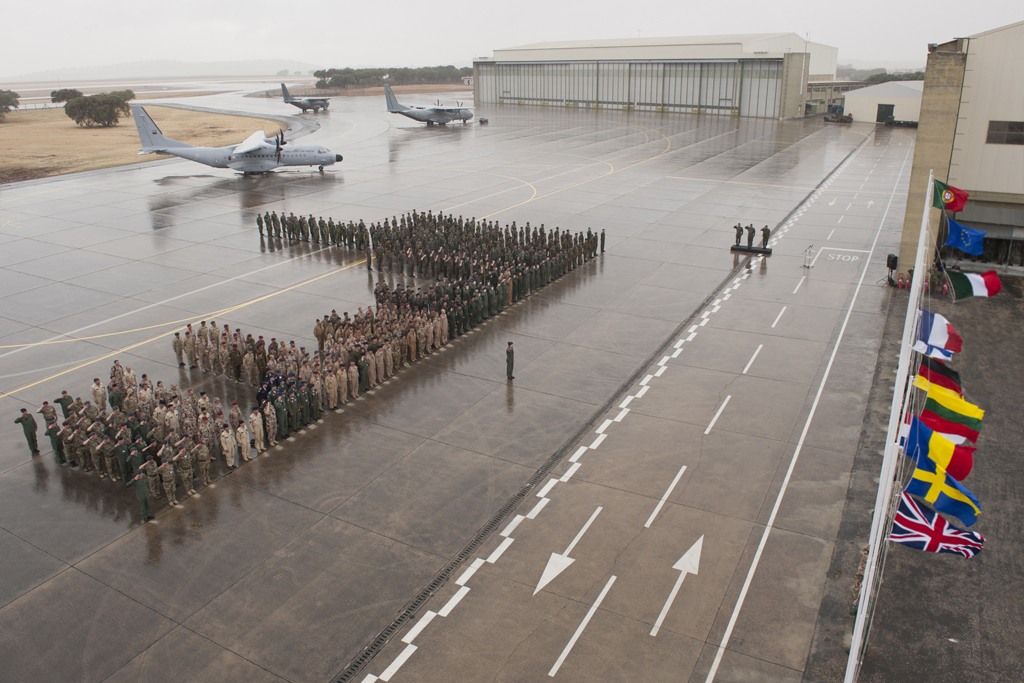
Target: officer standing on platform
750,235
739,233
765,234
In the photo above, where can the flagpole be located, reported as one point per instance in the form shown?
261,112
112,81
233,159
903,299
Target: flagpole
886,479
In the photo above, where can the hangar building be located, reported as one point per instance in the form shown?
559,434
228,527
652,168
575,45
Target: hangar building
971,134
898,99
760,74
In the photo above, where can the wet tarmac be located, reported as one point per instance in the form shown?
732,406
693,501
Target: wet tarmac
286,568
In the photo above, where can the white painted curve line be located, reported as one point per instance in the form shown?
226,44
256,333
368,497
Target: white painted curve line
571,471
600,438
661,370
717,414
583,625
490,560
579,451
799,283
415,630
399,661
668,492
532,514
751,361
547,488
799,446
778,317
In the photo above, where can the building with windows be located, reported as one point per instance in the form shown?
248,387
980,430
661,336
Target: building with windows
761,74
822,96
971,135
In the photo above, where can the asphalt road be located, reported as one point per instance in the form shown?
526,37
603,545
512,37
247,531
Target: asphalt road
289,566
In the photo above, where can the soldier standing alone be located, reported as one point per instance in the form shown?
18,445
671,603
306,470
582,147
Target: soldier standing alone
29,426
510,360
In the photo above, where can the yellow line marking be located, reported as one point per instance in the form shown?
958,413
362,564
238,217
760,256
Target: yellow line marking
785,187
169,332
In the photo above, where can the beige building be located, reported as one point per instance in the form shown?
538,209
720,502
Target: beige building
971,135
762,75
898,99
821,95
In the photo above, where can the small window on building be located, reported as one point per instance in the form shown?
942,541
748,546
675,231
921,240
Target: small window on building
1005,133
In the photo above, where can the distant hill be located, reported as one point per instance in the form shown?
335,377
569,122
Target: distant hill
170,68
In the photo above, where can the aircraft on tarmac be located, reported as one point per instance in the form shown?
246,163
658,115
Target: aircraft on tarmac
430,115
257,154
314,103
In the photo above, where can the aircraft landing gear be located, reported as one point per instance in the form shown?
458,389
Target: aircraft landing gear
321,169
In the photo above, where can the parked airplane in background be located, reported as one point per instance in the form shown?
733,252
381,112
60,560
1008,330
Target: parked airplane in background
314,103
258,154
429,115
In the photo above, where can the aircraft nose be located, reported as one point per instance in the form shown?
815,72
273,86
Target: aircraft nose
337,158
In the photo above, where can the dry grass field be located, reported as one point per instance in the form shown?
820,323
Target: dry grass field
45,142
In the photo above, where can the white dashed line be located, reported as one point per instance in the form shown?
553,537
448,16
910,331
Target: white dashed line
715,418
778,317
676,353
571,471
427,618
583,625
626,401
662,369
751,361
800,283
490,560
622,414
600,438
457,598
532,514
668,492
604,426
509,528
547,488
399,661
579,451
643,390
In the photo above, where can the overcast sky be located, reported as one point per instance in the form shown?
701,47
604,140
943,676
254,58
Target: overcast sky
53,34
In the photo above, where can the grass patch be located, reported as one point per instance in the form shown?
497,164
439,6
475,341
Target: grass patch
45,142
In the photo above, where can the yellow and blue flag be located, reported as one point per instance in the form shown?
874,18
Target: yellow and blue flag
944,493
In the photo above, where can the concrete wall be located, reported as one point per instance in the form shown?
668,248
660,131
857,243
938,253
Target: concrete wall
795,74
865,109
940,102
993,91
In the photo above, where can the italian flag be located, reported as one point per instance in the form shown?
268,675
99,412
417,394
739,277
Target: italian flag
972,284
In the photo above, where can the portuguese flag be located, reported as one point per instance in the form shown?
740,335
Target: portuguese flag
973,284
948,197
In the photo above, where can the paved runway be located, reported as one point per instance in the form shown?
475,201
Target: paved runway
289,566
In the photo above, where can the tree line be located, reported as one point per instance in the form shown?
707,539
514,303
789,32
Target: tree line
366,78
103,109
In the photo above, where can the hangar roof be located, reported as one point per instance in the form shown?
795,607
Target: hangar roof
716,47
908,89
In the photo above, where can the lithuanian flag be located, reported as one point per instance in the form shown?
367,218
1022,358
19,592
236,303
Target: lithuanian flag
944,411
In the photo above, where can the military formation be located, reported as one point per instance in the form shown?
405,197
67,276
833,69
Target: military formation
161,441
766,233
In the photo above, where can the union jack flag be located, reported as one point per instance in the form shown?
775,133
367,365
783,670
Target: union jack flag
918,527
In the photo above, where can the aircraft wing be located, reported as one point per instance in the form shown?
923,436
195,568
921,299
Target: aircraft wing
448,108
257,140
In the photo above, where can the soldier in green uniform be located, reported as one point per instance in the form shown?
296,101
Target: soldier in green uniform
201,456
259,224
510,360
142,488
183,464
602,240
53,431
282,416
750,235
235,359
293,412
765,234
739,233
29,426
64,402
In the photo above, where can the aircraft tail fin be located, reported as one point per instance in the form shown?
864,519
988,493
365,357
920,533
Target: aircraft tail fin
149,134
284,93
393,105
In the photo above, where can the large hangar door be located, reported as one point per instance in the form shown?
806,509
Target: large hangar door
646,85
760,92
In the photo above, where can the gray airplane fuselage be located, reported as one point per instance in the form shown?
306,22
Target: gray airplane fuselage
434,115
259,161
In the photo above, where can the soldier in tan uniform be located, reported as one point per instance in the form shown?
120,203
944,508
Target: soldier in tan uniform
256,425
166,472
227,446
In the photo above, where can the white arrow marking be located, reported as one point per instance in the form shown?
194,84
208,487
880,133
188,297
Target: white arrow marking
832,202
687,564
870,203
560,562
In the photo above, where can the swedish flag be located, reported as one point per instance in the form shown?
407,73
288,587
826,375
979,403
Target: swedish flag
944,493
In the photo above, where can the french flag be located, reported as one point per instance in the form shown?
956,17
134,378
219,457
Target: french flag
934,330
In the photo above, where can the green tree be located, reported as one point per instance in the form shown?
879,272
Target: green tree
8,101
64,94
103,109
886,77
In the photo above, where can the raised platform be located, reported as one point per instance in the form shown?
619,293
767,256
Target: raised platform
743,249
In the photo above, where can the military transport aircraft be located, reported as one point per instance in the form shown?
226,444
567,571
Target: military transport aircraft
430,115
314,103
257,154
